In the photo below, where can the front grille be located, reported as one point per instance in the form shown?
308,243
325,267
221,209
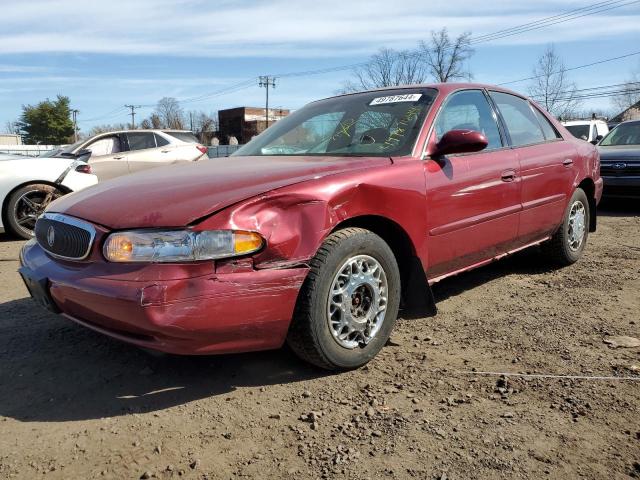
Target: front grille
64,237
619,168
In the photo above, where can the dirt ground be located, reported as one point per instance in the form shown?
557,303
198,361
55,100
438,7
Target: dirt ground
74,404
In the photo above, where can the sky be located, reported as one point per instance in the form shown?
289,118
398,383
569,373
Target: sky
104,55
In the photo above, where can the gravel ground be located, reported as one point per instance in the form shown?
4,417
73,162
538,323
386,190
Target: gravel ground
433,404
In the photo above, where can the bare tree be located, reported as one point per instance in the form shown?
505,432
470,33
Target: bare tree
446,58
170,113
204,125
12,127
387,68
551,86
630,94
104,129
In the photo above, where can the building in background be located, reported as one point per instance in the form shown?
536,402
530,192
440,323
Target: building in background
631,113
10,139
244,123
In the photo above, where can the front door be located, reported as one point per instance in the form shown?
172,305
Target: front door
108,158
473,200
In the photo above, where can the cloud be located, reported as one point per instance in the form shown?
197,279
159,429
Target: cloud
6,68
276,28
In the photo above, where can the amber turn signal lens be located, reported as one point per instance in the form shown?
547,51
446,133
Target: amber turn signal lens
246,242
119,249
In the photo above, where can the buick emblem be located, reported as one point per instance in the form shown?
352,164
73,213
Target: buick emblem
51,236
619,166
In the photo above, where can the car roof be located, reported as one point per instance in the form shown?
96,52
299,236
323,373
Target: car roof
444,88
156,130
581,122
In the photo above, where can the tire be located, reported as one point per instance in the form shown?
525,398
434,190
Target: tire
25,205
568,243
315,334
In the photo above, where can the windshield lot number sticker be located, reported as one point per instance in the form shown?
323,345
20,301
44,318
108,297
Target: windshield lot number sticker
410,97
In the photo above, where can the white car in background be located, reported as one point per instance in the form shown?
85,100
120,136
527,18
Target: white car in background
29,184
591,131
119,153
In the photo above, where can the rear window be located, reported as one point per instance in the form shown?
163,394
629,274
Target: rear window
184,136
579,131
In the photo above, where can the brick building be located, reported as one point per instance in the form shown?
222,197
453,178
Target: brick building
244,123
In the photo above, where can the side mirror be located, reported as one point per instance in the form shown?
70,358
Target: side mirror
85,152
597,139
460,141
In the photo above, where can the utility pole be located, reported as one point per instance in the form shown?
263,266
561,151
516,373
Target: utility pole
133,115
266,81
191,120
75,125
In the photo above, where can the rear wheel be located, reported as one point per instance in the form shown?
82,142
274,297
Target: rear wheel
568,243
349,302
25,205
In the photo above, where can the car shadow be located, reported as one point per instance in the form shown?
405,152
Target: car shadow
52,370
527,262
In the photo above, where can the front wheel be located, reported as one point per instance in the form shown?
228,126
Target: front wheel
568,243
25,206
349,302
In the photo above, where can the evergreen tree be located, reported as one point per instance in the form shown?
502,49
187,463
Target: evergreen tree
48,122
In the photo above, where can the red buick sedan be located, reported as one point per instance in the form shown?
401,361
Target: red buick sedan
321,228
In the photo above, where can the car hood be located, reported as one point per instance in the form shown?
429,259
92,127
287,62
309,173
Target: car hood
620,152
178,195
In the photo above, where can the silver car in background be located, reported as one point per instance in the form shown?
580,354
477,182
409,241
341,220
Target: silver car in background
119,153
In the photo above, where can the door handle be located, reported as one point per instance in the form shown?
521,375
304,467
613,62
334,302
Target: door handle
120,157
165,151
508,176
567,162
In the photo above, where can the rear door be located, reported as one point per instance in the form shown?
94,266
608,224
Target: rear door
108,157
473,200
144,152
546,163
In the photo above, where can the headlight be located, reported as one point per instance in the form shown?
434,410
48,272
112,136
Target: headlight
179,245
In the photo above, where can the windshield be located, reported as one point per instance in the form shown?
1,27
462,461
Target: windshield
365,124
579,131
623,134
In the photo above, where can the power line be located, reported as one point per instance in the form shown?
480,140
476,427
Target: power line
523,28
590,11
543,20
112,113
570,15
572,68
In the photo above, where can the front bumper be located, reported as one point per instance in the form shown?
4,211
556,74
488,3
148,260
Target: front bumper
622,186
200,314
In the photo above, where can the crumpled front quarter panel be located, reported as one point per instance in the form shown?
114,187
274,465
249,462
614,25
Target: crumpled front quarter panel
295,220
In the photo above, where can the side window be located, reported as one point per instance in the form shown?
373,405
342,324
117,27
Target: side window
141,140
469,110
550,133
521,122
104,146
160,141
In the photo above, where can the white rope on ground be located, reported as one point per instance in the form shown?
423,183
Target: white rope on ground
542,375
